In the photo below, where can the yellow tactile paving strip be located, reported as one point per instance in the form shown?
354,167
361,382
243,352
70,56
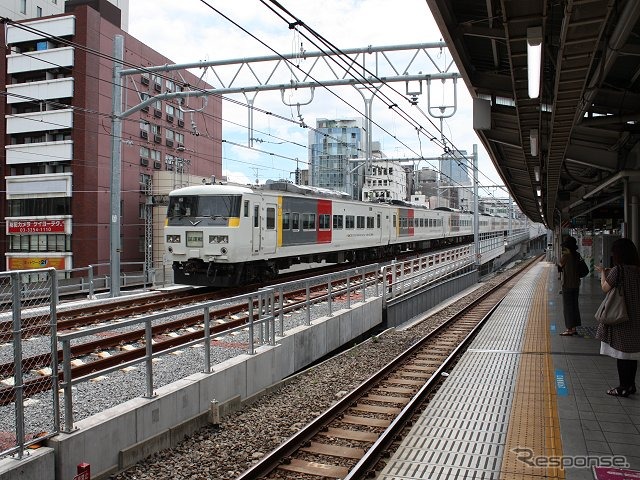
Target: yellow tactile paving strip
534,428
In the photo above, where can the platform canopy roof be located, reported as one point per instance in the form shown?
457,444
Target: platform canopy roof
570,148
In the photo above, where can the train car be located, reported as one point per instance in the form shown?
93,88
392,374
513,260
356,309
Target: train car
224,235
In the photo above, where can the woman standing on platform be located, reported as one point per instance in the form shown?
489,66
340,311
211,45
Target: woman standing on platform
622,341
568,265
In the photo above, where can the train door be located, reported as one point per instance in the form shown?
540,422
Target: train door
270,234
255,230
395,228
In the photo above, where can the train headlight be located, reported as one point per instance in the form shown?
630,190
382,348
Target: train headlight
218,239
173,238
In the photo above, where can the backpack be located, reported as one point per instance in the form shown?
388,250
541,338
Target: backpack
583,268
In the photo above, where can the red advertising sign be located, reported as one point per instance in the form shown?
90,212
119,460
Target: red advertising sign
35,226
613,473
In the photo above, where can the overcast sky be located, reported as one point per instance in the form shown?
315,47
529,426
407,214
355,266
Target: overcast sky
190,30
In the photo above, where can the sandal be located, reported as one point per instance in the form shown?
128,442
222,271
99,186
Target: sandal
618,392
568,333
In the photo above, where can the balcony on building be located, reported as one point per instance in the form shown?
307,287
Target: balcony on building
43,90
39,121
51,27
61,151
40,60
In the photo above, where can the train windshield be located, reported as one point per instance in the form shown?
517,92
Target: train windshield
218,206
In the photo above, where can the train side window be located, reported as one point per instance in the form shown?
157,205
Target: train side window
324,222
349,221
309,221
370,222
360,221
394,221
286,220
295,221
256,215
271,218
338,221
246,208
378,221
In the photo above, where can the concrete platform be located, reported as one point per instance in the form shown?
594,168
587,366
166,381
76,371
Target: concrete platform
524,402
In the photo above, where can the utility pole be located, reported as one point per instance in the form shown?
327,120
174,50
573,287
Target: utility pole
116,164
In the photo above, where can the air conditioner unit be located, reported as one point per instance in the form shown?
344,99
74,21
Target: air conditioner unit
157,87
157,138
181,123
144,80
157,165
144,161
157,113
145,109
169,118
169,143
144,134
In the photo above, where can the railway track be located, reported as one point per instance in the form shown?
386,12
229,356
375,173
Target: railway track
348,440
185,330
94,314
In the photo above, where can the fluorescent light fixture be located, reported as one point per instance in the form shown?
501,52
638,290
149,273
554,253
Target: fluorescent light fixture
539,192
534,60
533,143
536,173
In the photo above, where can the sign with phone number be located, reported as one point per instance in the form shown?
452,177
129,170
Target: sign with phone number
36,226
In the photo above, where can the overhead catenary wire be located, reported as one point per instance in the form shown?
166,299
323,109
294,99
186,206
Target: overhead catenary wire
297,23
270,113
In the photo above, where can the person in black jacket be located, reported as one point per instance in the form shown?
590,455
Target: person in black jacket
568,265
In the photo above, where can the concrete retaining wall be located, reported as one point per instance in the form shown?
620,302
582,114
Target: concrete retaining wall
123,435
37,463
407,307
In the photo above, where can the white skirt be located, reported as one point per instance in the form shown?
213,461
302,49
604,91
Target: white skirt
606,349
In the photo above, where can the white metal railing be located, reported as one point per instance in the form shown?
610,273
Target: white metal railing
404,277
264,323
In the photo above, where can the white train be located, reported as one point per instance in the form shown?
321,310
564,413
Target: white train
226,235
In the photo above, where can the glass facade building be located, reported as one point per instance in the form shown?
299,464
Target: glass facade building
332,148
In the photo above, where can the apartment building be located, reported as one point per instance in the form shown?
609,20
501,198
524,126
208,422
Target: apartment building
56,133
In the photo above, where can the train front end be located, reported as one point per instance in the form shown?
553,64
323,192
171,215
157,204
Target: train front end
203,235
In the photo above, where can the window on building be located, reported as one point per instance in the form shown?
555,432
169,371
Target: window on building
144,152
23,6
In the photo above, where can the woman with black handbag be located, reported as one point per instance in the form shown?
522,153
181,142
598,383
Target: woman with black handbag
622,341
568,266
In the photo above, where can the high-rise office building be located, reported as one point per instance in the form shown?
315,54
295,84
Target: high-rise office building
333,147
